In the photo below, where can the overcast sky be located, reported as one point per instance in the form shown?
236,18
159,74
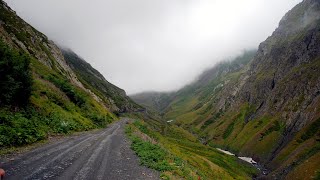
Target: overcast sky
160,45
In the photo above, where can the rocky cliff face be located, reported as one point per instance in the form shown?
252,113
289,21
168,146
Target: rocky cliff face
267,108
284,76
280,62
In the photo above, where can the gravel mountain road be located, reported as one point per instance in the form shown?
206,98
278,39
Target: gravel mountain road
98,155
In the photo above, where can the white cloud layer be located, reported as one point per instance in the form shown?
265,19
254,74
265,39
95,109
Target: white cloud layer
160,45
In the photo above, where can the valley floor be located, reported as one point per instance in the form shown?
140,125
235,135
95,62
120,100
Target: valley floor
103,154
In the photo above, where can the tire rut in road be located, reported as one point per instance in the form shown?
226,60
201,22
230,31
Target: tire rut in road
103,154
54,161
88,167
40,155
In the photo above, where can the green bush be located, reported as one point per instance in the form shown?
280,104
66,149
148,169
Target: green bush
16,129
151,155
141,127
15,77
29,126
100,119
60,124
65,86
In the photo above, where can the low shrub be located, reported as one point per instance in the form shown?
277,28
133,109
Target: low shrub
151,155
72,93
16,129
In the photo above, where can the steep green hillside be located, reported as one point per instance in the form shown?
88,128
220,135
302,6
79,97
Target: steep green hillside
178,155
40,94
268,108
197,98
111,95
160,101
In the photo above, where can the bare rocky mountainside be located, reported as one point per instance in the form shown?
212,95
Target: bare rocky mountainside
263,104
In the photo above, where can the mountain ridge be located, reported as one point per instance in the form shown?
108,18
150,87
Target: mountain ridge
110,94
268,108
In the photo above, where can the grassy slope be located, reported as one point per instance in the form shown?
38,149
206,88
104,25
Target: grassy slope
187,158
154,101
57,106
52,109
258,137
95,81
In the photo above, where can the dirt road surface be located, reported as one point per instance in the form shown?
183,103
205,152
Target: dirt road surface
99,155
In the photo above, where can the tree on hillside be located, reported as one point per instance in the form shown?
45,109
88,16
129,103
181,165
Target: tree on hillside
15,77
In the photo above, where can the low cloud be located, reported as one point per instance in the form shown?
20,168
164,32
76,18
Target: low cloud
158,45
